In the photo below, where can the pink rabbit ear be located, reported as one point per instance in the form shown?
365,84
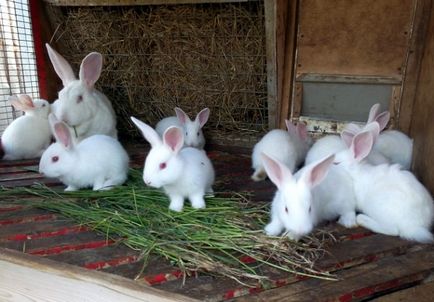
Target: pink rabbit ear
292,129
26,100
202,117
148,132
302,131
61,66
62,134
382,119
90,68
182,116
347,137
373,112
318,172
23,102
276,171
173,138
374,128
362,145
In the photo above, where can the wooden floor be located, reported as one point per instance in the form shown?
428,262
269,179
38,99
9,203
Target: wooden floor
369,266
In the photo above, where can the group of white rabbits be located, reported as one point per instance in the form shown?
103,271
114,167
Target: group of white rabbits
360,178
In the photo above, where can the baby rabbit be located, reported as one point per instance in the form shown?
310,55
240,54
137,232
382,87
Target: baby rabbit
391,201
80,105
181,172
193,136
28,135
316,193
98,161
289,147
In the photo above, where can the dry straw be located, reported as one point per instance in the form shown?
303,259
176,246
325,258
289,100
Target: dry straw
216,240
191,56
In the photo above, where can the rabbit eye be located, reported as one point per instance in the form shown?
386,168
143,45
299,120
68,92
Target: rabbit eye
198,134
55,159
163,166
286,209
186,133
43,105
79,99
310,209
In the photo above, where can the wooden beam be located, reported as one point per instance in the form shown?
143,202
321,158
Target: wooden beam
132,2
25,277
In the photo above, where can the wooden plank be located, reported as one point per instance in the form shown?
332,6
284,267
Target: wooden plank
418,39
286,88
132,2
348,79
270,11
422,126
360,282
19,273
423,293
353,37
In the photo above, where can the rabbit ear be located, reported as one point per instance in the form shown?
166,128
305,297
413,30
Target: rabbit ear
182,116
61,66
352,128
347,137
174,139
148,132
374,128
276,171
202,117
302,131
362,145
292,129
23,102
60,131
382,119
318,172
373,113
90,68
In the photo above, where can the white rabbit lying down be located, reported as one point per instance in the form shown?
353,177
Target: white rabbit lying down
181,172
193,135
391,201
316,193
28,135
98,161
80,105
289,147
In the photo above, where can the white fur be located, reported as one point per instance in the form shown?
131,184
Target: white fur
323,147
99,162
193,135
391,201
396,147
289,147
28,135
80,104
299,205
181,172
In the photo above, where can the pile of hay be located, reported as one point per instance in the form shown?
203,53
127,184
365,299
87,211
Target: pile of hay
191,56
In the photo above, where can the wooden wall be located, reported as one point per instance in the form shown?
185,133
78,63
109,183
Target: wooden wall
422,126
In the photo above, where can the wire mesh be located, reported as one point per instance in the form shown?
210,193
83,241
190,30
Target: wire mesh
18,73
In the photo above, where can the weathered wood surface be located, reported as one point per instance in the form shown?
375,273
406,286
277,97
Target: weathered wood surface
421,293
132,2
357,252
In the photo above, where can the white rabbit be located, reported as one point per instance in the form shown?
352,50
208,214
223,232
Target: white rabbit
28,135
391,201
80,105
181,172
193,135
98,161
318,192
289,147
332,144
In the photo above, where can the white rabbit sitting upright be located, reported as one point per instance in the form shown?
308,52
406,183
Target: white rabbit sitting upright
289,147
193,135
316,193
98,161
391,201
28,135
181,172
80,105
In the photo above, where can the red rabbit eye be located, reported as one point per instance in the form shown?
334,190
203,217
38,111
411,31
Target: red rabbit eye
79,99
55,159
163,166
